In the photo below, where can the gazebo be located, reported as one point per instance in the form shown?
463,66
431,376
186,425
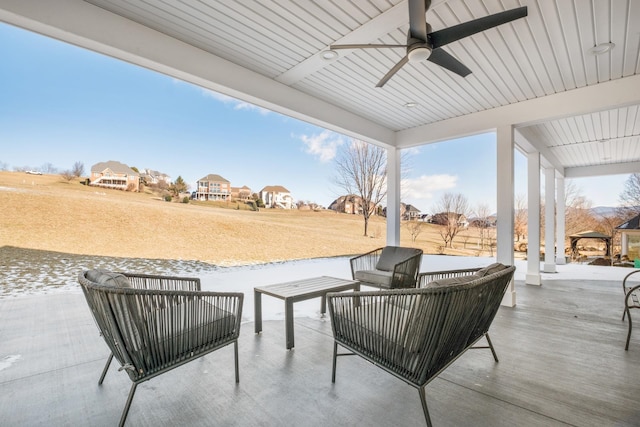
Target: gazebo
590,235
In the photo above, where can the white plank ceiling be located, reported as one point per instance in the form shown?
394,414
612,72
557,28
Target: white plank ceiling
544,54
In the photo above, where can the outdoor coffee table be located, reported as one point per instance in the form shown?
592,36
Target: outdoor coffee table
299,290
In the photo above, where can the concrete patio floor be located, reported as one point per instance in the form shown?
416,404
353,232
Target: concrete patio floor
562,362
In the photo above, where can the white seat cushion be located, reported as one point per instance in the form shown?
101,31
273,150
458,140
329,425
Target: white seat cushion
377,277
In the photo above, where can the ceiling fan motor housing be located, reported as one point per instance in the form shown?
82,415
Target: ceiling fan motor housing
418,52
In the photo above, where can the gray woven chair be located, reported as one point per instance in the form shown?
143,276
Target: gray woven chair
631,300
390,267
415,334
153,324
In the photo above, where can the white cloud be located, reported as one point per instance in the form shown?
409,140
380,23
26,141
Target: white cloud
323,145
250,107
412,151
237,104
425,186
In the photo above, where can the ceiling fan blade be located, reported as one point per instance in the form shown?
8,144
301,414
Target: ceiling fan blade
392,71
364,46
445,36
418,19
446,60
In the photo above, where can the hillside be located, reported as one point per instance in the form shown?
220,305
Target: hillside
45,212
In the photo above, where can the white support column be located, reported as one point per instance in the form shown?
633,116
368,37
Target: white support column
393,196
533,219
505,198
624,245
549,220
560,221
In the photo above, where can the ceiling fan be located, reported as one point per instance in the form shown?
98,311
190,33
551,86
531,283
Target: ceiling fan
423,44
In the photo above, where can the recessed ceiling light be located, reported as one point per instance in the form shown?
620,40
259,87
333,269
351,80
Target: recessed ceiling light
329,55
411,104
601,48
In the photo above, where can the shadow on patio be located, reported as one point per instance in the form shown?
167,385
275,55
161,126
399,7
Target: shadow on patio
562,362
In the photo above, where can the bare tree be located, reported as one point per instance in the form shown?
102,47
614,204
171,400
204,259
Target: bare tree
48,168
451,208
67,175
78,169
483,222
520,217
362,170
630,196
414,228
578,216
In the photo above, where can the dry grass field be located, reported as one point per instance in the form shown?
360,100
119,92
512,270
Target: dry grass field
45,212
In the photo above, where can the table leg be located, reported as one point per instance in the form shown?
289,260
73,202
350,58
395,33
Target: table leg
356,301
323,305
257,310
288,316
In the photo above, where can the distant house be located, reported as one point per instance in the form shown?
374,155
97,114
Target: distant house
407,212
241,193
488,222
350,204
114,175
410,212
276,196
152,177
630,231
213,187
426,218
442,218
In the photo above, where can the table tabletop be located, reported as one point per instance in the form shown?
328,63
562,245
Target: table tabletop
306,287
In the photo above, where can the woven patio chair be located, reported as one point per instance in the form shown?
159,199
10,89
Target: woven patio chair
153,324
452,277
390,267
631,300
415,334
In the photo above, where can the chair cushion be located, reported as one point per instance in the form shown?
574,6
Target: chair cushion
370,327
182,328
451,281
377,277
393,255
108,278
490,269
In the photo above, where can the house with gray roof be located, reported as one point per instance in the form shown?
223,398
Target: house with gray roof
153,177
114,175
630,231
241,193
213,187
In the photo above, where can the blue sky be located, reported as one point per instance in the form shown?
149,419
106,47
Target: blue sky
60,104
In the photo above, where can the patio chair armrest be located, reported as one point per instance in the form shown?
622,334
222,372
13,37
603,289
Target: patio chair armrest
365,261
632,297
405,273
430,276
624,281
167,283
